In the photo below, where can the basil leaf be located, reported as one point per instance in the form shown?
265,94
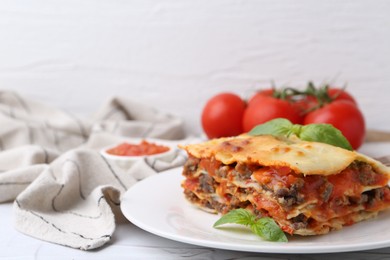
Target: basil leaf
324,133
237,216
263,227
278,126
269,230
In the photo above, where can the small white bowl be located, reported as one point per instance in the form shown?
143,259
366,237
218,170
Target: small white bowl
126,161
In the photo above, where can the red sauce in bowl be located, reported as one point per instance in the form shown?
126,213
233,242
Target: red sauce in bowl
141,149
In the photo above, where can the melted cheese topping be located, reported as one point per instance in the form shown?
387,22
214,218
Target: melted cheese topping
308,158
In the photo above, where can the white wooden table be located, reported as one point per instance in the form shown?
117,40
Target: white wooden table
131,242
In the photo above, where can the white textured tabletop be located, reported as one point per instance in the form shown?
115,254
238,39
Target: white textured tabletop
130,242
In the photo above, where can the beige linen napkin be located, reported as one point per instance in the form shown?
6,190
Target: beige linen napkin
64,191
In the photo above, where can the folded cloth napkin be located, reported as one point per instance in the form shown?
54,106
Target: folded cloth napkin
64,191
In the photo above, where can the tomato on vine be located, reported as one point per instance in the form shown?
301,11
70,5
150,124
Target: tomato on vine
313,98
340,94
222,115
227,114
345,116
269,104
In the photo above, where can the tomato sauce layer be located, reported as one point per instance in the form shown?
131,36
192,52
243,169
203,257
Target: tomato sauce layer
141,149
333,195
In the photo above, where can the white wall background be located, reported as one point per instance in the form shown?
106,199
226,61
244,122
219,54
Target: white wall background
174,54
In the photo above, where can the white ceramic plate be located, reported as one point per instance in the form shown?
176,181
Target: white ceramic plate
157,205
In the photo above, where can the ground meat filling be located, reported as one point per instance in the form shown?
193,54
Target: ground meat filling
190,166
299,222
222,171
242,171
207,183
290,196
366,173
227,187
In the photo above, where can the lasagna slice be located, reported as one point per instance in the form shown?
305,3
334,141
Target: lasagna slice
308,188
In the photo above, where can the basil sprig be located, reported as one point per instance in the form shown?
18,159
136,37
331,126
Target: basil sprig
264,227
323,133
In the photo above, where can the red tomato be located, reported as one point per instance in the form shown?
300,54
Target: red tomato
343,115
305,104
310,102
340,94
262,107
222,115
260,94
